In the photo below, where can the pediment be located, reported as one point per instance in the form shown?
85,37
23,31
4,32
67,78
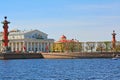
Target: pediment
36,34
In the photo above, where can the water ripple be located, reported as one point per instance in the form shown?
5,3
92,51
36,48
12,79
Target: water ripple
60,69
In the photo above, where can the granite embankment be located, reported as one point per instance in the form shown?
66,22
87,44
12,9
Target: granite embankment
20,56
57,55
79,55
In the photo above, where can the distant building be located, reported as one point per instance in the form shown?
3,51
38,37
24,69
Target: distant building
33,40
65,45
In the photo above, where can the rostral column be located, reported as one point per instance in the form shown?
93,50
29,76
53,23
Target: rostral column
5,34
113,40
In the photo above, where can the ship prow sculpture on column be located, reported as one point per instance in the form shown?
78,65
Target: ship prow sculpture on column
5,40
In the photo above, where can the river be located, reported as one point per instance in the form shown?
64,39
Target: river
60,69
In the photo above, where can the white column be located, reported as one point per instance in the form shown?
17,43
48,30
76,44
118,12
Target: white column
11,46
44,46
23,46
15,46
38,46
1,46
34,46
31,46
41,46
19,46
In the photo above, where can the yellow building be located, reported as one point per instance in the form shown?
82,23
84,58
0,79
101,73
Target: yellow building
65,45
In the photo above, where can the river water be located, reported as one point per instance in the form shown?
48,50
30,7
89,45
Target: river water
60,69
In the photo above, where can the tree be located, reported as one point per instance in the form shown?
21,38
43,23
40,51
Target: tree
106,44
72,46
62,47
100,46
79,46
117,46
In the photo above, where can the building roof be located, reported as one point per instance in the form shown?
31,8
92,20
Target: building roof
16,31
64,39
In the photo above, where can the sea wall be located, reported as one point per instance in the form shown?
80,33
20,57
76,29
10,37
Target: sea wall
20,56
79,55
57,55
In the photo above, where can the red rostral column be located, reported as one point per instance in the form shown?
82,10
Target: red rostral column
5,33
113,40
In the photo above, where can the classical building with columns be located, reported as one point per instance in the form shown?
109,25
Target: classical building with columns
33,40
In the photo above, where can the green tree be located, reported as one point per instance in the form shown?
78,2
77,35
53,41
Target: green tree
100,46
117,47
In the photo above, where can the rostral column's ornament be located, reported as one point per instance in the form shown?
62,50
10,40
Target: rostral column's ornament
5,34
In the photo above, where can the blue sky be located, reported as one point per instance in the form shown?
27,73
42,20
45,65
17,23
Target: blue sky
85,20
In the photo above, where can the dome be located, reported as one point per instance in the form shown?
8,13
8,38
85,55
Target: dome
63,37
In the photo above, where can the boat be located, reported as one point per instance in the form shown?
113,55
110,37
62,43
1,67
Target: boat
116,57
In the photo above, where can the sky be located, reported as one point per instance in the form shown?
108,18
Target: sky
84,20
